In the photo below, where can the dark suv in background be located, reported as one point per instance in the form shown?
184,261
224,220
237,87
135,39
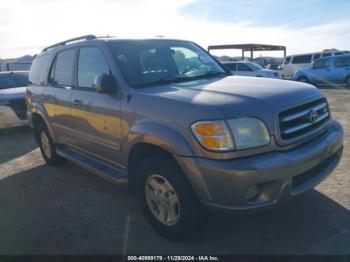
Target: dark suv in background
164,115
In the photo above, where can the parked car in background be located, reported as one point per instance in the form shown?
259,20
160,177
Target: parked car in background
245,68
296,62
12,102
186,135
328,70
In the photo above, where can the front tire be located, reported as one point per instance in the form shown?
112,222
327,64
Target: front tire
166,199
47,147
303,79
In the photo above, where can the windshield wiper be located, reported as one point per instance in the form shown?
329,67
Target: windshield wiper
180,79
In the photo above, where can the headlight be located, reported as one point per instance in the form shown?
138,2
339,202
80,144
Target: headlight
213,135
249,132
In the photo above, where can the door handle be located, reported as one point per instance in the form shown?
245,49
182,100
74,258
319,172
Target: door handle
78,103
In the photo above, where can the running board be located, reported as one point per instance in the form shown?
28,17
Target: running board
92,165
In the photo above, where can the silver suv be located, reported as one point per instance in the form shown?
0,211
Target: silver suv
187,136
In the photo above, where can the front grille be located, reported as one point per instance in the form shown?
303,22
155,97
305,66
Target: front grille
303,119
19,107
304,177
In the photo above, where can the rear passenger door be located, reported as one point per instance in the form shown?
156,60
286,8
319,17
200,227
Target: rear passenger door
96,116
342,68
321,71
57,95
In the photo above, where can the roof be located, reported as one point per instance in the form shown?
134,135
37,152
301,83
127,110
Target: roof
103,38
249,47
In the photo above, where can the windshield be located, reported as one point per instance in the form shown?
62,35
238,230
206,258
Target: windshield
152,62
12,80
255,66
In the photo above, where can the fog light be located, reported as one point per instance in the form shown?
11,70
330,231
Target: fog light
251,193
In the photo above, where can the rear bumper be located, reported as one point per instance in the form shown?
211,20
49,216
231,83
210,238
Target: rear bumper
8,118
279,175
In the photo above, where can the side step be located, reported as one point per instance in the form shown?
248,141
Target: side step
92,165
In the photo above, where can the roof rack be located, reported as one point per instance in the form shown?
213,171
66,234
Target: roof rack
84,37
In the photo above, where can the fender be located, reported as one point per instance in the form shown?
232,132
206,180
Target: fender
158,135
37,108
171,141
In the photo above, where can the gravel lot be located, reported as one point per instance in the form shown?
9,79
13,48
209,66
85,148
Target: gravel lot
67,210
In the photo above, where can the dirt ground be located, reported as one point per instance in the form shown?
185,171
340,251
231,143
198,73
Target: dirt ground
68,210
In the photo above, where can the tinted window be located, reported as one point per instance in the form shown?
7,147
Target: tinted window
63,68
91,63
342,61
302,59
339,53
13,80
230,66
244,67
326,54
317,56
321,63
38,69
287,60
156,62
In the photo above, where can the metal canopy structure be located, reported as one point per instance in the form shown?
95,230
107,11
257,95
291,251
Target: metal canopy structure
251,48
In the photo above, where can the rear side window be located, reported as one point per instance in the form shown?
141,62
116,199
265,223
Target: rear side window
91,63
321,63
62,71
230,67
342,61
244,67
287,60
317,56
302,59
37,73
326,54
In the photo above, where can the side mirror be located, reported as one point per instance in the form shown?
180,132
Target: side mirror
105,84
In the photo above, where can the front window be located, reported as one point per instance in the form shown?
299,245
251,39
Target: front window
153,62
244,68
255,66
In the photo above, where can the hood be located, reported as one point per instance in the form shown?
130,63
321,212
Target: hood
12,93
236,96
270,71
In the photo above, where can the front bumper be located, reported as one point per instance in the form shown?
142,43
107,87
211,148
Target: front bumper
8,118
279,175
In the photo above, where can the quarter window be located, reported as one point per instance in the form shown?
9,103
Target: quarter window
62,70
342,61
287,60
302,59
91,63
38,69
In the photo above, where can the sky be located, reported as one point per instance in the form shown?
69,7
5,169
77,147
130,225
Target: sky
27,26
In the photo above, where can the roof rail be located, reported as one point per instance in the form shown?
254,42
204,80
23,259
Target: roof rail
84,37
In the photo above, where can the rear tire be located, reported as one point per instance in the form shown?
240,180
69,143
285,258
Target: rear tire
167,200
47,147
303,79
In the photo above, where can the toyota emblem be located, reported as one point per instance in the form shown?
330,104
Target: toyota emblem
313,116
